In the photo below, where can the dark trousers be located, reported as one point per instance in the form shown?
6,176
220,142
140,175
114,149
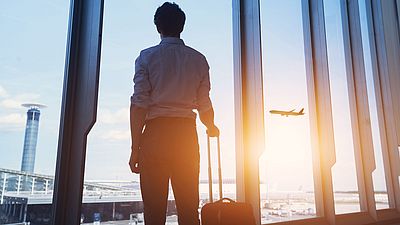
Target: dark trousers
170,151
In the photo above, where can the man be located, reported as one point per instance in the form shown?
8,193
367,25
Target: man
171,80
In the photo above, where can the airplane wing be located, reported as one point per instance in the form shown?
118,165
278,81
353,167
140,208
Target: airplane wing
292,110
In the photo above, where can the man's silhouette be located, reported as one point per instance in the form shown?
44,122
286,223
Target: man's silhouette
171,80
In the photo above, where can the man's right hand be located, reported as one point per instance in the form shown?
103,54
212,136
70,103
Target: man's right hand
213,131
134,161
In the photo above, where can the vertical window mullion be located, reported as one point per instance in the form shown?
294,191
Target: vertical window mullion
248,100
383,20
79,105
379,100
355,70
311,89
317,68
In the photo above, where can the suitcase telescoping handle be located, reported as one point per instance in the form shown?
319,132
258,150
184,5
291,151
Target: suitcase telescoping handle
210,180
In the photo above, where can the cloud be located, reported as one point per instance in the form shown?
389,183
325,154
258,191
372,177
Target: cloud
3,92
16,101
11,103
117,135
12,114
13,121
120,116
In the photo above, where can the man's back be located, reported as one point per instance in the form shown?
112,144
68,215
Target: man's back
172,79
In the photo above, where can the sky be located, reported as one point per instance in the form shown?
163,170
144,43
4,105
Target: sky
125,34
32,43
32,58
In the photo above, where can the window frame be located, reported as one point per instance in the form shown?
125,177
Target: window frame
385,47
79,107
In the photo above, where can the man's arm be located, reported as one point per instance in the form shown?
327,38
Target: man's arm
205,108
138,110
137,121
207,118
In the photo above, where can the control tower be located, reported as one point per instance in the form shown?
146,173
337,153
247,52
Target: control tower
31,134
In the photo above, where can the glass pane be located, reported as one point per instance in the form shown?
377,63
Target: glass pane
128,28
32,60
344,186
286,175
381,196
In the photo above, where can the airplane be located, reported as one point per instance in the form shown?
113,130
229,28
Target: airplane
288,113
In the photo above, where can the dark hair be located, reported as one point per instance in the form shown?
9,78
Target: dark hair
169,19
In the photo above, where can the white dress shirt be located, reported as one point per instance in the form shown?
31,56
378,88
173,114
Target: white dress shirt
171,79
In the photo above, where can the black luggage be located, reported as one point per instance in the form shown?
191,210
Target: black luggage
224,211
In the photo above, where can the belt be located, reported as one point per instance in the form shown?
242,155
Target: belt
179,120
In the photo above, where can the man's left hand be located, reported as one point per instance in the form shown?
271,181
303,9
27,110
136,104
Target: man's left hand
134,161
213,131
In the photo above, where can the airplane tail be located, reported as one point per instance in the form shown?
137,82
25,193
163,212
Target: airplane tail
301,111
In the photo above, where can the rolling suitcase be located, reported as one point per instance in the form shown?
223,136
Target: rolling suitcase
224,211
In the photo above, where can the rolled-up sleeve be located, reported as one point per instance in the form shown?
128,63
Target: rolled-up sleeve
203,92
142,87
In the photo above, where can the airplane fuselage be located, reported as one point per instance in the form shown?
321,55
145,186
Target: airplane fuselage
287,113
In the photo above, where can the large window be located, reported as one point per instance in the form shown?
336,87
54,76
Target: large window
286,169
111,191
33,37
31,74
